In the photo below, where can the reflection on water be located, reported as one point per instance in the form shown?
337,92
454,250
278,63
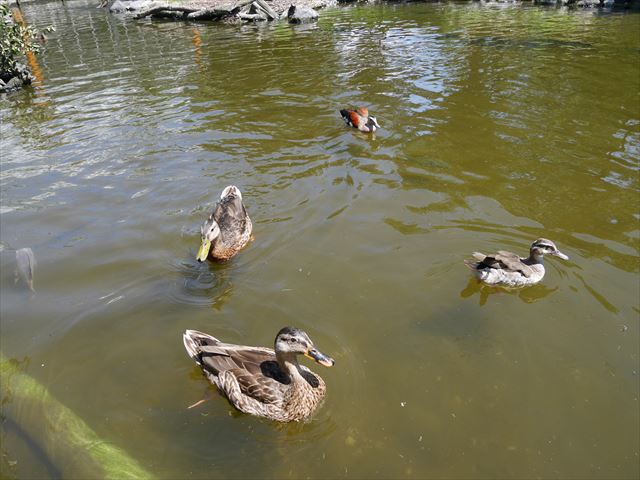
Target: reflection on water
500,124
527,295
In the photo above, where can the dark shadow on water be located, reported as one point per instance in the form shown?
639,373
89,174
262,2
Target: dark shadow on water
527,294
9,469
9,426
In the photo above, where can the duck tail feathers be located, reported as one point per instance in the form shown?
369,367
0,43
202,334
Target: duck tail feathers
231,190
471,264
230,204
193,340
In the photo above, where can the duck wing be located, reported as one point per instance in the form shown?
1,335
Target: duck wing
507,261
351,117
255,369
224,356
262,388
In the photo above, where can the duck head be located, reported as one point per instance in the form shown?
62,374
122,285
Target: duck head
372,124
293,341
542,247
209,233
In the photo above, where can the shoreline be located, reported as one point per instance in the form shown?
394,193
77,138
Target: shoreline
232,11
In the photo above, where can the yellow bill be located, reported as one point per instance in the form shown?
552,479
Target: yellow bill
203,253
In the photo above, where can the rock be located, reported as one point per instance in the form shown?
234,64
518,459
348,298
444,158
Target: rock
577,3
301,14
13,83
123,6
594,3
13,80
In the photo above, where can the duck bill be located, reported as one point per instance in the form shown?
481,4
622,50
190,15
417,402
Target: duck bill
319,357
558,253
203,253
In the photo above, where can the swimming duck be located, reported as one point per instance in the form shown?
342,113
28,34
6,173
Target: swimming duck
509,269
360,119
227,229
261,381
25,267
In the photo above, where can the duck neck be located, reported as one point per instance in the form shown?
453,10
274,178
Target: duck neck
288,362
535,258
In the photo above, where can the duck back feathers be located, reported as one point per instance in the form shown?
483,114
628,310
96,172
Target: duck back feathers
230,217
252,379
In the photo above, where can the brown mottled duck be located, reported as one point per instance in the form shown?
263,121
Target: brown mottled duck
228,228
261,381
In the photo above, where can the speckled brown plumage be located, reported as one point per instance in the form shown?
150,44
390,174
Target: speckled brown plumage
228,229
232,242
256,380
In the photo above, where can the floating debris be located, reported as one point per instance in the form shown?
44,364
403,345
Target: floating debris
25,267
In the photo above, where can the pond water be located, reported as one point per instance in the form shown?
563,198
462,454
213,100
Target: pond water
501,124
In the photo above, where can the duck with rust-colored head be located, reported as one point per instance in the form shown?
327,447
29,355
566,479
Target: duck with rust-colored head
261,381
228,228
511,270
360,119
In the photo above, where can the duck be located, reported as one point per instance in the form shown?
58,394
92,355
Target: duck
261,381
359,118
509,269
25,267
227,230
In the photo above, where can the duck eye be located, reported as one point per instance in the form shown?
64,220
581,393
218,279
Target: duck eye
293,340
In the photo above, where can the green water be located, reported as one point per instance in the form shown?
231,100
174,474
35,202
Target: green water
500,125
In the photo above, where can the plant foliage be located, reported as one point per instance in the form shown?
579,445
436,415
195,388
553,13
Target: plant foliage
15,41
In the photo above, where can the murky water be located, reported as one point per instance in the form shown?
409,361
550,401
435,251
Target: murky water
500,125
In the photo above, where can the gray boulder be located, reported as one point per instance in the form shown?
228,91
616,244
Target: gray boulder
122,6
13,80
301,14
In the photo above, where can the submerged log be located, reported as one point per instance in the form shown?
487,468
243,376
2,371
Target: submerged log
70,445
209,14
213,13
164,8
